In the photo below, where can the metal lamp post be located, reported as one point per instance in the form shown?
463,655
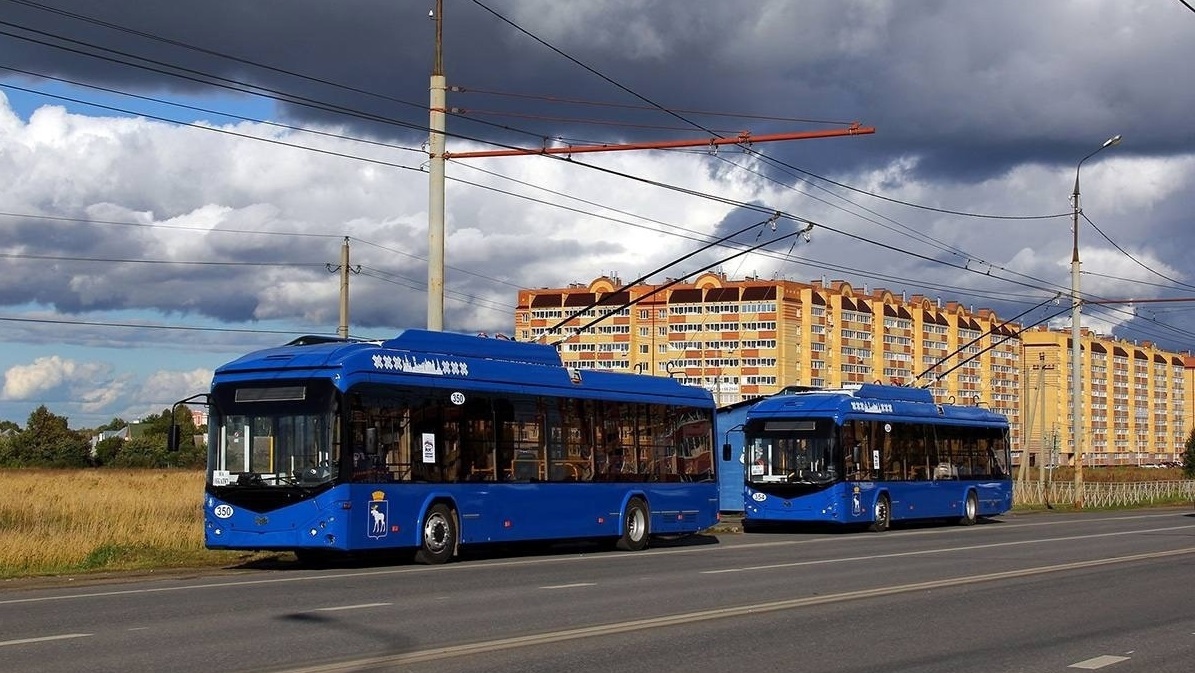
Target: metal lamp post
1076,351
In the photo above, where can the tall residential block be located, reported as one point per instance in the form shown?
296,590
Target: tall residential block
1135,400
749,338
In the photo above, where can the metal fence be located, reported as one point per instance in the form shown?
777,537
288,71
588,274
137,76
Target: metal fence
1103,494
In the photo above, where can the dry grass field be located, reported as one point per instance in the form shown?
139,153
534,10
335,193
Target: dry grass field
75,521
68,521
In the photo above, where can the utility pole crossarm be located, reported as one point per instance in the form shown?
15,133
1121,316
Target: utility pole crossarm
744,138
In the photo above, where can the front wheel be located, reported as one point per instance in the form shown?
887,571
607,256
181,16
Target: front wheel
634,526
970,510
881,514
439,536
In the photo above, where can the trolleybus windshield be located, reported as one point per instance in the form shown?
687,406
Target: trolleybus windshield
272,435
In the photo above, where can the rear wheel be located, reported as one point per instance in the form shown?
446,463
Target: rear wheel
881,514
634,526
439,535
970,510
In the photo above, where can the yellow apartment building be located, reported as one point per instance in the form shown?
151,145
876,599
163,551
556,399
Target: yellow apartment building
1135,400
749,338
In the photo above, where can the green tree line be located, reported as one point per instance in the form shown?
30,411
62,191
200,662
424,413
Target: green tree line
47,441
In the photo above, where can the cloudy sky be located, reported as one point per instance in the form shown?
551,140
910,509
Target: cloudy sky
176,179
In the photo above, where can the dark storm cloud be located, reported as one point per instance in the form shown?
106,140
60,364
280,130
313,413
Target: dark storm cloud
961,93
971,88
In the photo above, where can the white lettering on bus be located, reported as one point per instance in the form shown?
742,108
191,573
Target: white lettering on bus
872,407
437,367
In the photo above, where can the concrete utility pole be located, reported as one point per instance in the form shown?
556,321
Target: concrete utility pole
344,269
435,208
1041,400
1027,438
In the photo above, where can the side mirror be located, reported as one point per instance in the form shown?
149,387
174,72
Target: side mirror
174,439
726,452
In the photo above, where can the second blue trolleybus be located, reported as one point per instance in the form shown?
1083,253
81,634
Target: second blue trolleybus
872,454
432,440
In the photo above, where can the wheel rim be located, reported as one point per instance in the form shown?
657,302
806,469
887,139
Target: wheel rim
881,511
435,532
636,524
971,507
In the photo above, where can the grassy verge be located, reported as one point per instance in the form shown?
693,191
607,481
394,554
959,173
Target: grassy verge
71,521
55,522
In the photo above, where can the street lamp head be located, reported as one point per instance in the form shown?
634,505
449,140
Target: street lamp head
1114,140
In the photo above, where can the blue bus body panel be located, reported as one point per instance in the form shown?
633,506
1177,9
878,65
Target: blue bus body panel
444,359
854,501
874,403
729,422
376,516
384,515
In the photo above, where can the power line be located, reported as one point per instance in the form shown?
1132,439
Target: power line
214,129
414,284
211,52
592,70
162,225
678,260
181,328
171,262
576,101
748,149
341,154
1134,259
193,75
195,108
288,98
674,114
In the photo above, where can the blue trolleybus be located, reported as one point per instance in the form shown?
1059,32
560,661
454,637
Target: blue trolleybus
870,455
433,440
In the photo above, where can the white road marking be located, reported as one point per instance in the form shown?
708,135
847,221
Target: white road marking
603,558
1098,662
943,550
43,639
360,606
570,586
754,609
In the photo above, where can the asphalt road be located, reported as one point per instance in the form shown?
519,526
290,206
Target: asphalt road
1039,592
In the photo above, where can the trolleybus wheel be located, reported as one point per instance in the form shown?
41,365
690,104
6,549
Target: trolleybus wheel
634,526
439,535
882,514
970,510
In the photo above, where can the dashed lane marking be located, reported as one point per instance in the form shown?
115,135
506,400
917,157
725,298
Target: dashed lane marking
43,639
1098,662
